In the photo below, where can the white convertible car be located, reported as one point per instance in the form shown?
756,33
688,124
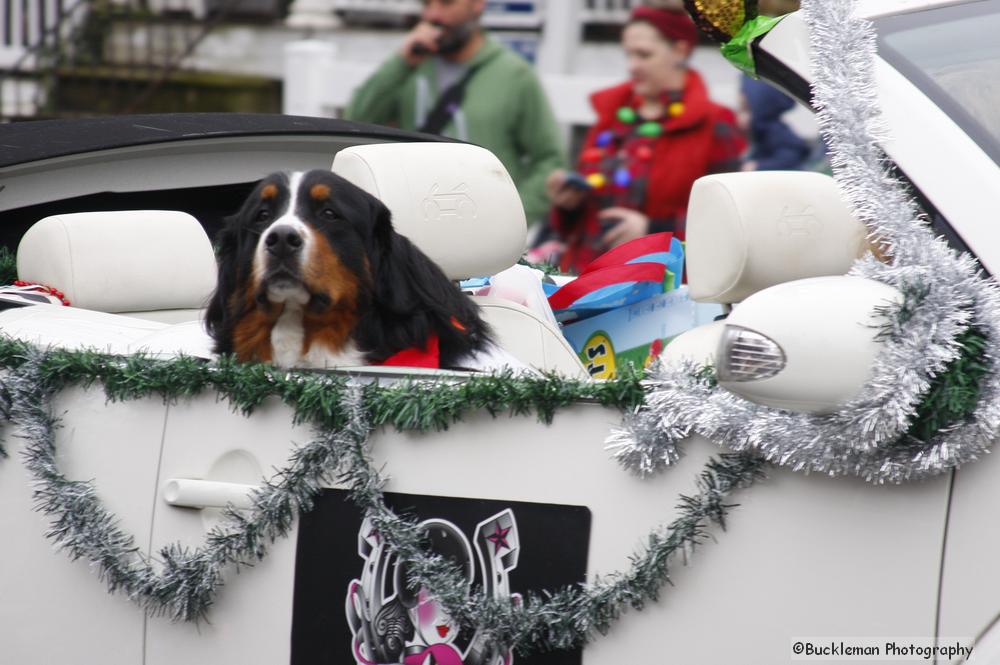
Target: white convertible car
803,557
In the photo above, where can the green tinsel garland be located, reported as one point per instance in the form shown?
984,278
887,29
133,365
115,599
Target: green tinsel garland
187,583
315,396
954,393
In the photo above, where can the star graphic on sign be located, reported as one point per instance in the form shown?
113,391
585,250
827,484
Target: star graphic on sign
499,537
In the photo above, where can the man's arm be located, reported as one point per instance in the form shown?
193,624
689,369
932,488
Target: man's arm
378,98
539,145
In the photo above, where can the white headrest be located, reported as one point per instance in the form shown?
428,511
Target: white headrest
125,261
749,231
455,201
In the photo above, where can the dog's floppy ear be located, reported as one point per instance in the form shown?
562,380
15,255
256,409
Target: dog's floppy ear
404,278
218,319
224,309
414,299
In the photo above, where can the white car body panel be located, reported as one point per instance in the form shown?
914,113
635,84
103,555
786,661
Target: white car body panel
803,555
876,8
953,172
970,587
55,609
191,163
963,183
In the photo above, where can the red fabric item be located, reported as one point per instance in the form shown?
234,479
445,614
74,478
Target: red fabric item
703,139
676,26
590,282
629,251
429,356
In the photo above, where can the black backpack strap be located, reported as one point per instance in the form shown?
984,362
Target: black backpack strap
449,102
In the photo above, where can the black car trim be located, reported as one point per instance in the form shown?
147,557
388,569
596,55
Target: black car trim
36,140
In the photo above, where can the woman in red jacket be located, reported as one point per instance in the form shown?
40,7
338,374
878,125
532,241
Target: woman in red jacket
655,135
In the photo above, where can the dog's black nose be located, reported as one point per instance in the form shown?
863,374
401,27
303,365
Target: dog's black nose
283,241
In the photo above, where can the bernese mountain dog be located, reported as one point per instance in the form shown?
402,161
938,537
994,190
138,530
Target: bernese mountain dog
312,274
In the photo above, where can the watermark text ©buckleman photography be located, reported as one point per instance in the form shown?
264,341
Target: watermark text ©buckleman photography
874,649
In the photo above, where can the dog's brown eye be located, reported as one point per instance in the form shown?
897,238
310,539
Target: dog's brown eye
263,215
328,213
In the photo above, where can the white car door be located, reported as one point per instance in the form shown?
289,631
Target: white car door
54,609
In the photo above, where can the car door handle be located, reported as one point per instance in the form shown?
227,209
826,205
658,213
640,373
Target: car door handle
191,493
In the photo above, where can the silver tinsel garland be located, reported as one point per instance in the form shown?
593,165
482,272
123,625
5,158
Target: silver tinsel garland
182,583
943,296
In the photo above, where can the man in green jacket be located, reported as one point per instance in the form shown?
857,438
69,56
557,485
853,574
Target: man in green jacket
503,107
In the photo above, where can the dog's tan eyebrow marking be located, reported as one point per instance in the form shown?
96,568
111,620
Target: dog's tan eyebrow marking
269,192
320,192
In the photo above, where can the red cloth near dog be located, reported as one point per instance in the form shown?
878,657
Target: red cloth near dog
701,139
428,356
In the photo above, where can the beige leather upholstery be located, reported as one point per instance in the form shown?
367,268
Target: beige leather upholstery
134,261
749,231
75,328
170,316
455,201
458,204
530,338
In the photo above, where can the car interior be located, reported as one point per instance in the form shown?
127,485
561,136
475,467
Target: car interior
139,279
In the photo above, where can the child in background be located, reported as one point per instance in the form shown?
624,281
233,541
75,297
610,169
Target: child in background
773,144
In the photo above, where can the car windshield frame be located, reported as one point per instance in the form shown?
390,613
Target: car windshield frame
889,26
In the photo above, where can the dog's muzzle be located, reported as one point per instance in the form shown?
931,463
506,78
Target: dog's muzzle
283,248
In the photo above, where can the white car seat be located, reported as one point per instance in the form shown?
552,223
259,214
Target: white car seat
459,205
455,201
749,231
76,329
151,264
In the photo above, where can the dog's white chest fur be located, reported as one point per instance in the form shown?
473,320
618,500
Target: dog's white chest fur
288,338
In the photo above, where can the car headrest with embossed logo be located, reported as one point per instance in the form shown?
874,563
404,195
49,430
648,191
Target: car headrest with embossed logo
455,201
121,260
749,231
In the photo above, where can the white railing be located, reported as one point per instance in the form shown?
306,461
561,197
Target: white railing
20,98
26,24
36,36
22,26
